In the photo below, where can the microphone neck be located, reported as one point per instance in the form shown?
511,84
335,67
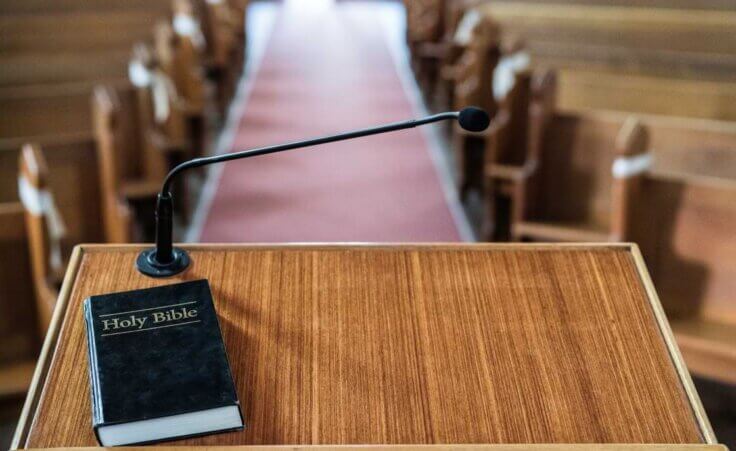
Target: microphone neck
165,260
197,162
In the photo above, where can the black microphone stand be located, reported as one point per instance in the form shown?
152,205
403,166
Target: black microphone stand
165,260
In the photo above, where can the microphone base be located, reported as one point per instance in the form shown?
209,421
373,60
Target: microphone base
146,263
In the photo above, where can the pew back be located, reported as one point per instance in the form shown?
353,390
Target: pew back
578,147
692,147
718,5
575,165
652,60
81,6
62,67
46,33
673,43
44,110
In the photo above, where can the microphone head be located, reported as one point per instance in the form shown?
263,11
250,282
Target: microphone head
473,119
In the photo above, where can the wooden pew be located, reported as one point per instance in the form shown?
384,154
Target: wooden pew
45,230
424,24
512,149
683,220
223,25
570,196
47,91
178,57
17,312
18,325
678,146
580,90
651,60
154,146
137,149
459,21
684,225
57,116
161,114
72,158
223,57
472,77
84,6
675,43
18,331
487,78
474,35
31,111
128,191
79,31
692,147
718,5
33,69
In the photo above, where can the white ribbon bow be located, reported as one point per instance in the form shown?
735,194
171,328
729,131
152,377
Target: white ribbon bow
186,25
504,76
40,202
625,167
138,74
464,30
162,88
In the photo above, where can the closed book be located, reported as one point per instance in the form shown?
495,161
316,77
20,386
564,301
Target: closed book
158,367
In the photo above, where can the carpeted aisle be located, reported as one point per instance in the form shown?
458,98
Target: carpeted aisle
327,68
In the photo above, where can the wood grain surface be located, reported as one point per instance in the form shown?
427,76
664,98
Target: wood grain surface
405,345
496,447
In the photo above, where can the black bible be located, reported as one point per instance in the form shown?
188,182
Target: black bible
158,367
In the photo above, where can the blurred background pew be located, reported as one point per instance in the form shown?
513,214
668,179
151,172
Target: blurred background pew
81,167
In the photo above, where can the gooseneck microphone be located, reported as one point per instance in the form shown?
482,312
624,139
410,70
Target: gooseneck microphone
165,260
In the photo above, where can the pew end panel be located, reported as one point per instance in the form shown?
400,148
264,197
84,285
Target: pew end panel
574,200
45,229
633,160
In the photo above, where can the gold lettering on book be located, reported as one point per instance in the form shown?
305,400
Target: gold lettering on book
137,320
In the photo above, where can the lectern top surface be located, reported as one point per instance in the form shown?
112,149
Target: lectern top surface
407,345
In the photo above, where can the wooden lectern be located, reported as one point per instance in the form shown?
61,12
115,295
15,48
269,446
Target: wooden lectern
407,345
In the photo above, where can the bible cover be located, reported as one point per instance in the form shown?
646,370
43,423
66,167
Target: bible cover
157,364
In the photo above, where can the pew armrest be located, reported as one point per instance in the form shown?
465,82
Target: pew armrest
708,347
565,232
514,174
141,189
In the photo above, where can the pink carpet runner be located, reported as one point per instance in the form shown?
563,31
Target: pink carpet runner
328,69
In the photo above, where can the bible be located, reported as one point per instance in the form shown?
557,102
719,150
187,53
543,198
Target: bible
158,367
